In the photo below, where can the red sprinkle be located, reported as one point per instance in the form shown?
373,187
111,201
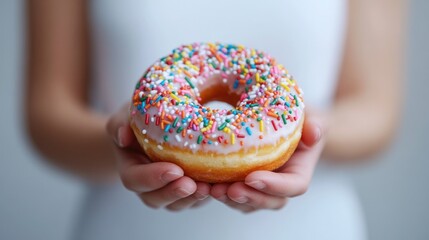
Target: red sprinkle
146,119
274,125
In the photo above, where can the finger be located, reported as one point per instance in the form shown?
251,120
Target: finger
202,192
311,131
115,122
278,184
179,189
140,177
292,179
241,193
201,203
219,192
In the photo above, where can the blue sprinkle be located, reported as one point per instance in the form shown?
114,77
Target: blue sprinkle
248,131
167,128
249,81
242,123
235,84
209,142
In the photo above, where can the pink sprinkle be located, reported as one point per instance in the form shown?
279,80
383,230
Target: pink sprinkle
176,79
213,127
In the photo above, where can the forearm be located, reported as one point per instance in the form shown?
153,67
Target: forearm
72,138
367,104
358,128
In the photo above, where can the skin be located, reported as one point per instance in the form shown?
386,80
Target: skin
60,120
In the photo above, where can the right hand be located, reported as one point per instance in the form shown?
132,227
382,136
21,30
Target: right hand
158,184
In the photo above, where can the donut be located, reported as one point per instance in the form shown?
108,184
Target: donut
258,127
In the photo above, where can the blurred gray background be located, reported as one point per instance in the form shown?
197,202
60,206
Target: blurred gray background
39,203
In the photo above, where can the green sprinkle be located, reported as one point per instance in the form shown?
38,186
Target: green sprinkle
221,127
296,101
166,138
284,118
200,138
189,82
258,119
273,102
179,129
253,105
175,121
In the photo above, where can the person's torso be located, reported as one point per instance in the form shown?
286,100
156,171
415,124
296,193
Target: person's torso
128,36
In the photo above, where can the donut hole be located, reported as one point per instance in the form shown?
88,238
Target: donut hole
218,93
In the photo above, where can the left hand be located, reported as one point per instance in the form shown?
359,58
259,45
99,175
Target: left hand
271,190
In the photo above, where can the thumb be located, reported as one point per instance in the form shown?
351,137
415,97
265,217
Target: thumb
314,128
118,126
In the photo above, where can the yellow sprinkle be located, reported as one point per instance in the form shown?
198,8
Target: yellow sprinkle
261,126
233,138
175,97
257,78
194,67
285,86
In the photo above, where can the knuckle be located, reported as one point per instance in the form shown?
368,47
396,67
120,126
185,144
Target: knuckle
149,203
301,189
173,208
126,182
280,205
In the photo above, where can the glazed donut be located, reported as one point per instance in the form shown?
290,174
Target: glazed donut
172,121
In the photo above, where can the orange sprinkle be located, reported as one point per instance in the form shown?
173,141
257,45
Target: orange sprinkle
297,89
187,73
271,114
191,136
241,143
260,136
266,103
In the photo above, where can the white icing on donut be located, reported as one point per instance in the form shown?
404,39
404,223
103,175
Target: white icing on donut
166,102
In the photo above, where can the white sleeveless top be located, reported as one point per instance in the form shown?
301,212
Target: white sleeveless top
305,36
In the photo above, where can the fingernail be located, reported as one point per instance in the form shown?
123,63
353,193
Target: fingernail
200,196
318,134
181,192
119,137
257,185
240,199
170,176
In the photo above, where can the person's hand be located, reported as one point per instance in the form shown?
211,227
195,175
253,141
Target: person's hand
271,190
158,184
